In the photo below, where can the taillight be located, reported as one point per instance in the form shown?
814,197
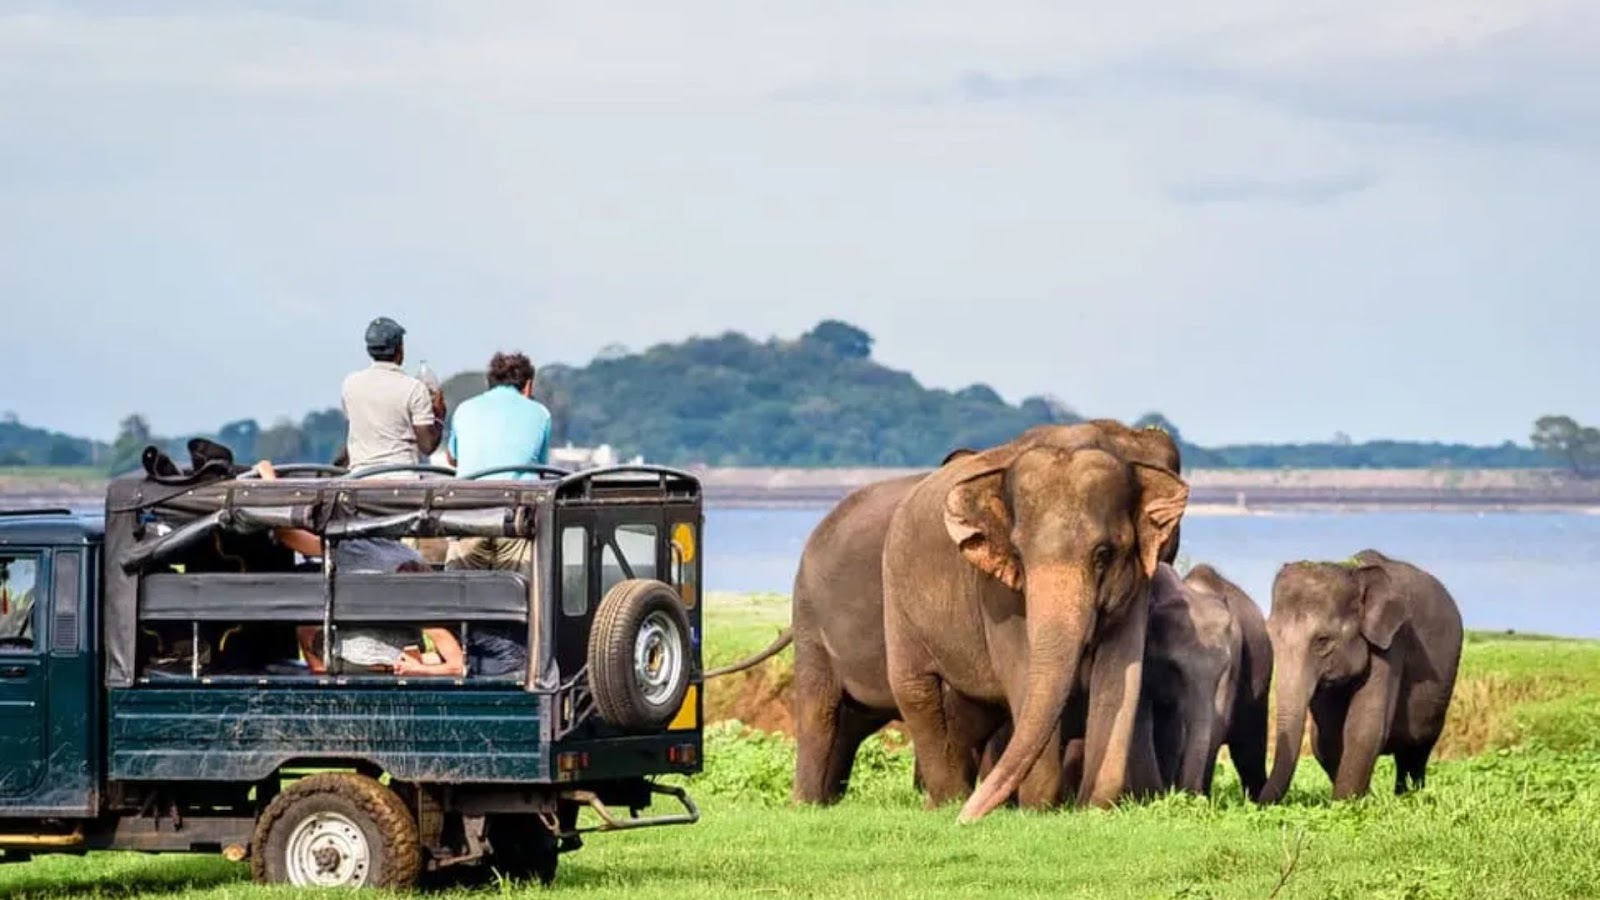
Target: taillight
683,754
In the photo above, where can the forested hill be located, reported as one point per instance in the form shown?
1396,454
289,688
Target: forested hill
816,400
819,400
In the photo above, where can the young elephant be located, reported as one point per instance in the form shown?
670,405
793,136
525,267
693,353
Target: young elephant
1192,660
1370,647
1246,734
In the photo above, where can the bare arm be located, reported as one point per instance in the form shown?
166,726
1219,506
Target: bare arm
428,436
297,539
451,660
427,419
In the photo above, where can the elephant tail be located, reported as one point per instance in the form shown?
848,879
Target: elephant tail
773,649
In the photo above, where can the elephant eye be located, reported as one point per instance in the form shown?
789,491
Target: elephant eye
1102,557
1323,644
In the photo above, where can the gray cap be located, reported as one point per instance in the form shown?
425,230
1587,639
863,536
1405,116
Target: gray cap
384,335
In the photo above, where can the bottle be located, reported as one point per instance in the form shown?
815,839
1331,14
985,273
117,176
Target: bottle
426,376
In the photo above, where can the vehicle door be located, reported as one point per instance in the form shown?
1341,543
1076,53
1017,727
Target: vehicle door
24,593
598,549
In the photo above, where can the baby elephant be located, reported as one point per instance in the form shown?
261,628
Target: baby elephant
1208,666
1370,647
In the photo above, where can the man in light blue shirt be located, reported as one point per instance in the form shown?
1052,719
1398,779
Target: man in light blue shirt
503,426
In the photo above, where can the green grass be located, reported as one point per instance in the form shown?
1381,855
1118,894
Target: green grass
740,624
1519,819
83,474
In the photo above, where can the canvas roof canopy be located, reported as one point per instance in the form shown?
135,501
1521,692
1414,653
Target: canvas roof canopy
150,524
151,520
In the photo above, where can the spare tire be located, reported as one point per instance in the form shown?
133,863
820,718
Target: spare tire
639,655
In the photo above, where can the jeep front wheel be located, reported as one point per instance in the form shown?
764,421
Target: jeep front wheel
337,829
639,655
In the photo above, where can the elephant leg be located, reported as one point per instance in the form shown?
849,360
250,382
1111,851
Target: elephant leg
1112,757
993,748
1222,721
1411,763
970,725
1247,745
1366,731
829,728
1145,776
1041,787
1327,732
1167,732
1071,768
947,770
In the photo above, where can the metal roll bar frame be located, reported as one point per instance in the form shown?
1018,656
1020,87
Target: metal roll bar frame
544,472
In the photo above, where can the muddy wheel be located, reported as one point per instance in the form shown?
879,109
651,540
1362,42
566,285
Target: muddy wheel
337,829
639,655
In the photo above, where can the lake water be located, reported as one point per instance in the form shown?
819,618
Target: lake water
1530,572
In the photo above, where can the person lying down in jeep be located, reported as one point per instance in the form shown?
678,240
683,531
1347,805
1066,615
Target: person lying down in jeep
491,649
388,649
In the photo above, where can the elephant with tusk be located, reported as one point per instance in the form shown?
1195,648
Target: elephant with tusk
1006,572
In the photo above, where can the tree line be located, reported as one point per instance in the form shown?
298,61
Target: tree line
813,401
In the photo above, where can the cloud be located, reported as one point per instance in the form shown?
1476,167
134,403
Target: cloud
1307,191
1013,193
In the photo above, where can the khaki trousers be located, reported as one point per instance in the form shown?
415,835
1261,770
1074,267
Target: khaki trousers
489,553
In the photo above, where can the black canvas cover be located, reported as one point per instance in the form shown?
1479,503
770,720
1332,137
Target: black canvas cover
449,596
149,524
164,514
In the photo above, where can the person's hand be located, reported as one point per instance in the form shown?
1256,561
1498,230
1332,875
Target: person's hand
409,665
439,408
264,470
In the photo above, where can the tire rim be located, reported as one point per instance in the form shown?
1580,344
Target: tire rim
328,850
658,658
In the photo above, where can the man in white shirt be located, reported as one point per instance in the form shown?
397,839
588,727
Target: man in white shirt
394,418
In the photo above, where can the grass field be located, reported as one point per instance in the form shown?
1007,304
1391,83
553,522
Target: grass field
1511,810
75,474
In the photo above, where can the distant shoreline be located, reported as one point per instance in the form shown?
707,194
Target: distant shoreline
1213,492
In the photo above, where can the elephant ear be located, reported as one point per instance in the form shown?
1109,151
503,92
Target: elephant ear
1383,609
978,519
1163,496
958,453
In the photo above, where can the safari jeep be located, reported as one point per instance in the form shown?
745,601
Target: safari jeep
155,693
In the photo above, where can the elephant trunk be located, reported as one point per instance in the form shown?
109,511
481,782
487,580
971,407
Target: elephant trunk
1294,699
1059,609
1199,725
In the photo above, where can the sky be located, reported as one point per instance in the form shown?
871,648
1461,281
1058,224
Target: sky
1270,220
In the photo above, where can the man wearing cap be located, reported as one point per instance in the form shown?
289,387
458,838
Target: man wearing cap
394,418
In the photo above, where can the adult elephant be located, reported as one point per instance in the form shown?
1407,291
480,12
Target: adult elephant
1370,648
1009,576
841,691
